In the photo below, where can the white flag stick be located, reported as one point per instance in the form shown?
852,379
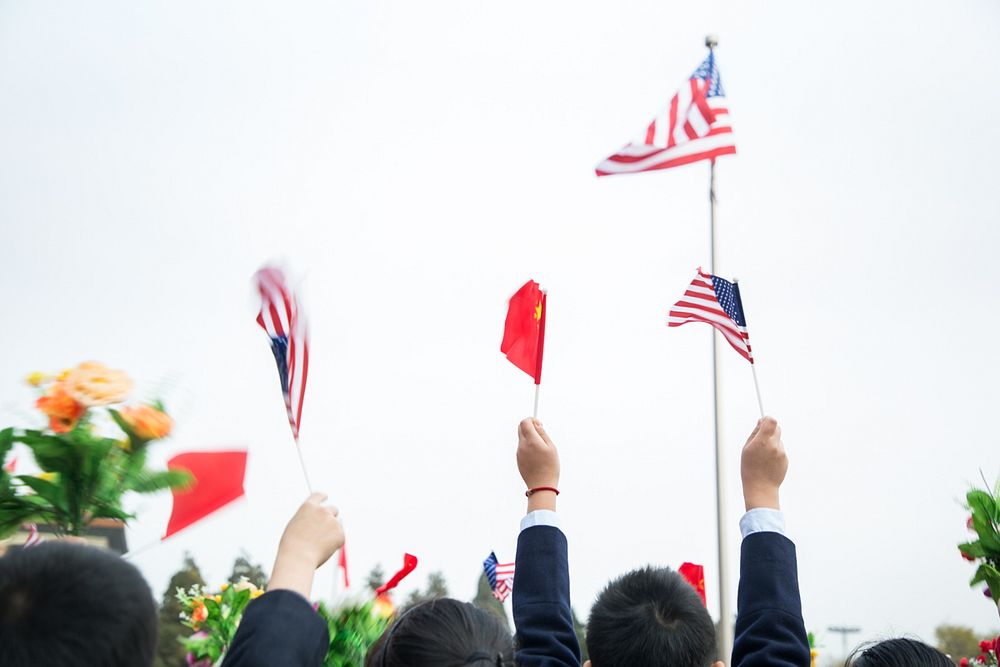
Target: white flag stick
537,391
756,385
302,462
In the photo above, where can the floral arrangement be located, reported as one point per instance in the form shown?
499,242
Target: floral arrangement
984,521
214,617
988,650
354,628
85,474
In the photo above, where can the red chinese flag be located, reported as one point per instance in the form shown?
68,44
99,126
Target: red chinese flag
342,563
218,481
524,330
409,565
695,575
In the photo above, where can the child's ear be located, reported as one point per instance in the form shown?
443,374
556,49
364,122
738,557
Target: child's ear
719,664
587,664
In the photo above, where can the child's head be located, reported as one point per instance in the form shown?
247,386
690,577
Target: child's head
898,653
650,616
444,633
70,604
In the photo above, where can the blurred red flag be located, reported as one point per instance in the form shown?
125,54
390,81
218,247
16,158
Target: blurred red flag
218,481
695,575
342,563
524,330
409,564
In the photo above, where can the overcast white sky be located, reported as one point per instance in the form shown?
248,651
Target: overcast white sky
416,162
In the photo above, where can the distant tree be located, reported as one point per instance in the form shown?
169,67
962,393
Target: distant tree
581,635
437,587
169,651
375,578
956,641
487,601
243,567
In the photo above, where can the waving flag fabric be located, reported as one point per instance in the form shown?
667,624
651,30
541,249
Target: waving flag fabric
281,317
693,126
695,575
500,576
218,481
715,301
524,330
409,565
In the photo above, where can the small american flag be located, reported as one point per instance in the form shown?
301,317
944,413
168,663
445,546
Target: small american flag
694,126
33,537
715,301
500,576
280,316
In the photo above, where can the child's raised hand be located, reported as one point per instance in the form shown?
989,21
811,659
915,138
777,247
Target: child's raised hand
763,466
538,462
312,535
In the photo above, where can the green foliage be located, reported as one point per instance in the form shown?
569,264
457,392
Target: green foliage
486,601
216,615
985,549
244,569
956,641
90,475
353,630
581,636
437,588
375,578
170,652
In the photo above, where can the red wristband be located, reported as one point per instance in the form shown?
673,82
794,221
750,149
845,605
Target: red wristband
541,488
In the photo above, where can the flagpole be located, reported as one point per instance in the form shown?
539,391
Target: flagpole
725,610
538,388
756,385
302,463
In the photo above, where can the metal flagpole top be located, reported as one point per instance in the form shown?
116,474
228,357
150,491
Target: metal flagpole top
711,41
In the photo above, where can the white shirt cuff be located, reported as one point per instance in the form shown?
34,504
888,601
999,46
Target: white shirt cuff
541,518
763,520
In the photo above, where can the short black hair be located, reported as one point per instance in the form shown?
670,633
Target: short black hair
900,652
443,633
650,616
71,604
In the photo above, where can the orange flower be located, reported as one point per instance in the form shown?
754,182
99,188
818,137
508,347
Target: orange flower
147,422
93,384
199,614
63,410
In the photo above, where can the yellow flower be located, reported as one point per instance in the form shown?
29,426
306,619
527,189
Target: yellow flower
63,375
37,379
256,594
147,422
223,587
48,476
92,384
218,599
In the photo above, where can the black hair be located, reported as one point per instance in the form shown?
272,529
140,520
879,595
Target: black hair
443,633
70,604
650,616
899,652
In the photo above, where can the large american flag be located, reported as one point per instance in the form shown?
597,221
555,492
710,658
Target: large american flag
715,301
500,576
693,126
281,317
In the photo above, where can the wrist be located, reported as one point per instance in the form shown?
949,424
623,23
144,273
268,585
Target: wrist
542,499
762,498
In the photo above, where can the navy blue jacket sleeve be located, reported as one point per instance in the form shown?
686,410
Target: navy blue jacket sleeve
769,627
279,628
543,619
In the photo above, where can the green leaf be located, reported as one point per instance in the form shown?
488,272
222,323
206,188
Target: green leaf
6,443
146,481
981,502
989,574
53,493
974,549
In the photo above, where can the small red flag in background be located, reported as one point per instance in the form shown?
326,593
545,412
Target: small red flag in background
695,575
524,330
218,481
342,563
